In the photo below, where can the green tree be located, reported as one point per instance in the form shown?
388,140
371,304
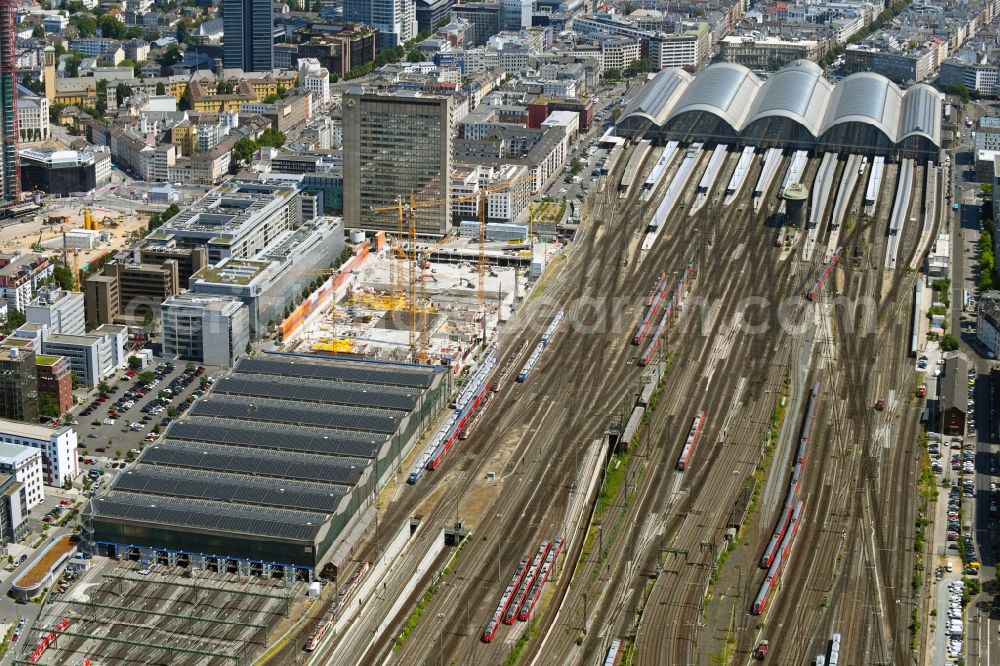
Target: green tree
134,363
613,75
146,377
47,406
63,276
73,64
170,211
84,24
272,138
224,88
102,387
160,88
38,32
949,342
171,56
111,27
183,33
272,98
101,105
14,319
640,66
122,90
243,149
414,56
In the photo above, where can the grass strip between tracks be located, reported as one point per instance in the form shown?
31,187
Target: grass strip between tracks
758,478
414,619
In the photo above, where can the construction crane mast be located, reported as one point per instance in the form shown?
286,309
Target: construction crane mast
413,288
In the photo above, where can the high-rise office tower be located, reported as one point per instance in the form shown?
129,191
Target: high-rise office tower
395,145
395,20
248,34
11,181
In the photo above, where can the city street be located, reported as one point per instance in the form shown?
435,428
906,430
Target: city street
982,640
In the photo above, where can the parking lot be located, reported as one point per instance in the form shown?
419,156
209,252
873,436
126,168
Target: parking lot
115,426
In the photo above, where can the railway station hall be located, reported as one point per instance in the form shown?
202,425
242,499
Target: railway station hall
270,472
796,108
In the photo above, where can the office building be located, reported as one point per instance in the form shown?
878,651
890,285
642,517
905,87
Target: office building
57,446
18,384
238,220
394,146
92,357
13,509
515,14
65,172
10,177
101,299
20,277
24,463
32,117
248,28
269,284
214,330
484,20
62,311
141,287
432,13
395,20
55,383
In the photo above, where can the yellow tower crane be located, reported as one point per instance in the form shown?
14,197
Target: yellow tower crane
407,212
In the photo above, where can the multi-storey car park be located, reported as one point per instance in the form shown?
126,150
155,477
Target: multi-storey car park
795,109
268,474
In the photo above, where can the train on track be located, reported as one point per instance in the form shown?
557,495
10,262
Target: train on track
696,425
535,592
508,367
343,596
825,273
674,301
466,404
778,565
529,579
47,640
550,332
508,595
614,653
798,466
653,301
525,587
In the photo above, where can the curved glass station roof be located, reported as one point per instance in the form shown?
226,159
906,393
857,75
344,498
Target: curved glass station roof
796,104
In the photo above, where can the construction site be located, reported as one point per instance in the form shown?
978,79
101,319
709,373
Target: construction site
435,303
89,233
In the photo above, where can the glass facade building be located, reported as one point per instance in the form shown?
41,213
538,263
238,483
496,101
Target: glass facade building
248,35
394,146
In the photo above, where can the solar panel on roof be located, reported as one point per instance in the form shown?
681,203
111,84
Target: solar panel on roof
328,416
317,469
338,395
333,369
223,519
257,435
184,483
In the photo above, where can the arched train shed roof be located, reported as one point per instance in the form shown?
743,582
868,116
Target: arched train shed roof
796,105
656,99
797,92
722,89
866,98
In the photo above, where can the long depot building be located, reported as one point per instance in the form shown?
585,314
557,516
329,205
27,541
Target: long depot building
795,108
270,472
